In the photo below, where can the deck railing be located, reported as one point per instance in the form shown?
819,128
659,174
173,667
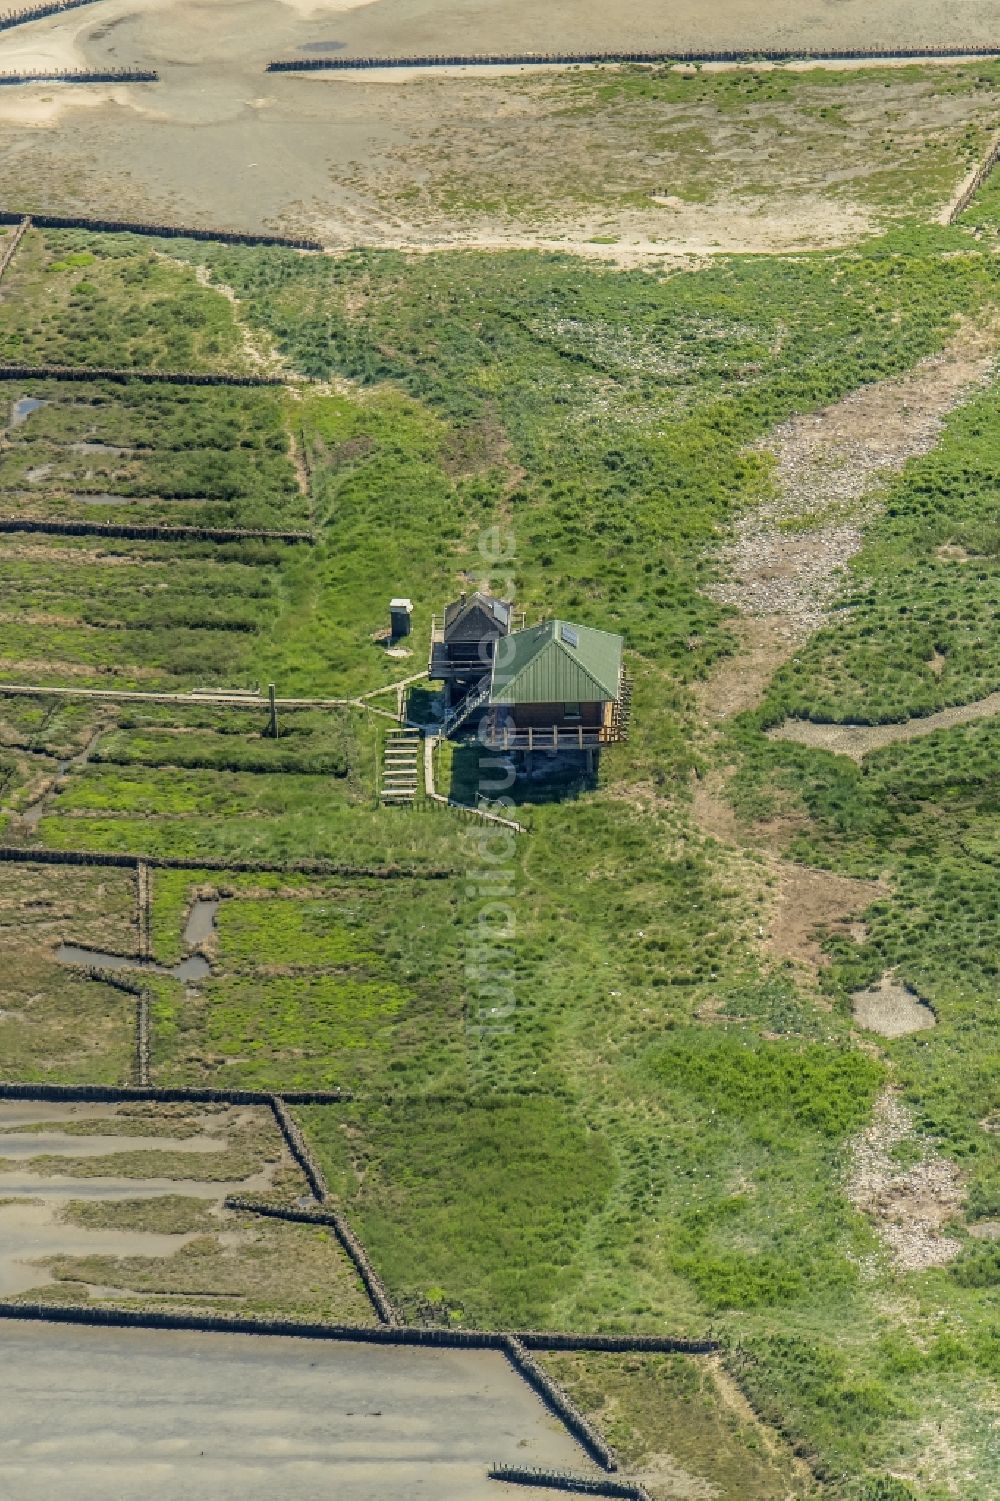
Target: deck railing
501,735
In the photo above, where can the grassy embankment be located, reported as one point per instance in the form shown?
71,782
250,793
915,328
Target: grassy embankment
661,1141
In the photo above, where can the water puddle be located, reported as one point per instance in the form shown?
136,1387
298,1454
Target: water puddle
194,967
18,1182
200,926
18,1145
23,408
32,815
32,1226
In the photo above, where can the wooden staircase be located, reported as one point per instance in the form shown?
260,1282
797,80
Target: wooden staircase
473,700
399,767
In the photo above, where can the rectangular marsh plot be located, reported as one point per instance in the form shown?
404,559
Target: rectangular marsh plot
151,1415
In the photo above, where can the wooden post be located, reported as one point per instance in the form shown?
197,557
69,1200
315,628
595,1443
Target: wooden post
579,731
531,738
273,712
555,737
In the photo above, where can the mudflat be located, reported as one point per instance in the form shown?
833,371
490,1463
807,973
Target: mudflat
155,1415
220,141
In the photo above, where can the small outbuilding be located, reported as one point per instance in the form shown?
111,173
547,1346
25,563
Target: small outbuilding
400,615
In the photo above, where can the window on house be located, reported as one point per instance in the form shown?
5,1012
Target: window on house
572,711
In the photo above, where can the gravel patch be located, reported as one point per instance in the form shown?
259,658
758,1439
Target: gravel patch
891,1009
790,555
908,1205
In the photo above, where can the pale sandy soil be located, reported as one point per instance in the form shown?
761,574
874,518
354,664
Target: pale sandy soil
859,740
891,1009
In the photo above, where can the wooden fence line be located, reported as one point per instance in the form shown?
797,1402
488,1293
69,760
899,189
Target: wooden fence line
566,1481
160,231
972,184
12,244
559,1402
144,914
121,376
39,526
352,1247
527,59
174,1094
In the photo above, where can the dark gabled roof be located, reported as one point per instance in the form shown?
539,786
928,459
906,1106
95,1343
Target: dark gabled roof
557,663
499,609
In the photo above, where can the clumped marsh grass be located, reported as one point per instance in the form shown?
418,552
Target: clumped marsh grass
152,455
262,1266
661,1141
678,1420
168,1214
75,298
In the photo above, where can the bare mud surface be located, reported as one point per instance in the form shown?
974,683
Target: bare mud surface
241,1418
36,1138
891,1009
859,740
908,1205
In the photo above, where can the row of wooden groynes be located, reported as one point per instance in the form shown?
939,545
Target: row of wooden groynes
121,375
12,18
515,59
139,533
84,75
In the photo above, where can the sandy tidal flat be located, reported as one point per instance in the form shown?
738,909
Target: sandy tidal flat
398,160
244,1418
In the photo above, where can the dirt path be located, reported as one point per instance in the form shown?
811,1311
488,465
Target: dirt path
859,740
261,356
782,571
786,564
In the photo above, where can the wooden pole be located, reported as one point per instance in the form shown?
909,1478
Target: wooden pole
273,708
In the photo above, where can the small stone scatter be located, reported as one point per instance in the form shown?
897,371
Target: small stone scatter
790,556
909,1205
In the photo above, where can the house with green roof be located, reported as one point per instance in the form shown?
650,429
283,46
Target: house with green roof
551,687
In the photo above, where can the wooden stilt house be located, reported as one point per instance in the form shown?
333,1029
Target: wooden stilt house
463,642
557,687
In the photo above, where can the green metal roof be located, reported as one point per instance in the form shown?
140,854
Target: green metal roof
556,663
